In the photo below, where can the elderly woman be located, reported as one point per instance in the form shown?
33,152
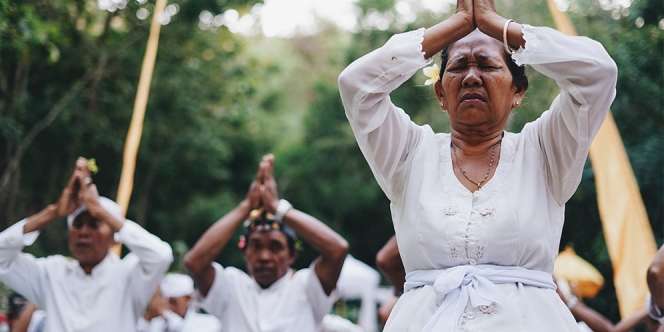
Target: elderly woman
478,212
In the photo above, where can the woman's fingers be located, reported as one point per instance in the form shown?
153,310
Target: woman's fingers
482,7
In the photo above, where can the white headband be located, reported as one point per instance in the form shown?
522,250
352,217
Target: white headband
108,205
176,285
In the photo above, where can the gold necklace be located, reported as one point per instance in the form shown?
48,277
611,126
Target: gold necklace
492,161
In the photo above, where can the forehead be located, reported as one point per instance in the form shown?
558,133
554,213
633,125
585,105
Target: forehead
268,236
85,216
477,44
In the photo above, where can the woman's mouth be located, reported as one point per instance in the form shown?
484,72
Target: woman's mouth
473,98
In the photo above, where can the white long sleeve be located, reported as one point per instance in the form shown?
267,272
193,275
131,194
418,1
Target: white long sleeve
383,131
587,77
154,257
21,271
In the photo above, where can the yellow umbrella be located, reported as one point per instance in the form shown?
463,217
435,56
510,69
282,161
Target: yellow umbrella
583,278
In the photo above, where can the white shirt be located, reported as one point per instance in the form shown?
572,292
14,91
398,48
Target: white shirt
334,323
360,281
655,312
199,322
109,299
172,322
516,219
37,321
294,303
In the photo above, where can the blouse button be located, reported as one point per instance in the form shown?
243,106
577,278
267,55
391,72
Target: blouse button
472,261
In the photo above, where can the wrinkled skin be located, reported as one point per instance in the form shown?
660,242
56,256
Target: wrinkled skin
476,88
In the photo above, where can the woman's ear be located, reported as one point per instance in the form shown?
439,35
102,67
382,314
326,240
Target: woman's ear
517,100
440,94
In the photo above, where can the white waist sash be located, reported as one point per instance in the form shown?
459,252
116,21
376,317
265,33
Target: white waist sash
455,287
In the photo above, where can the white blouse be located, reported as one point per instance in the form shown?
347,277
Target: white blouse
516,219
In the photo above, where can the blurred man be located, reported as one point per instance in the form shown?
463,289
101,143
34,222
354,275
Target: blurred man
389,261
96,290
656,285
172,309
359,281
24,316
271,297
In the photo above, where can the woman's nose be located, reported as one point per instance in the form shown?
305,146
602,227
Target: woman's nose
472,78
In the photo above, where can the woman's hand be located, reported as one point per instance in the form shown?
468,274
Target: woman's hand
492,24
465,9
450,29
485,13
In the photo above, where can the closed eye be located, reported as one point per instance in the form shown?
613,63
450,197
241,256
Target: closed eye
456,67
489,67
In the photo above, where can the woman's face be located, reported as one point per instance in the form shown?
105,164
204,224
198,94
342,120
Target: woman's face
477,88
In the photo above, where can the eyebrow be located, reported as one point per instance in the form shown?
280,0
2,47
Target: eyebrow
480,56
458,59
485,58
277,242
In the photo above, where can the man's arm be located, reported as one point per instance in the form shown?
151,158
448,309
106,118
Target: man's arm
595,321
154,255
20,271
331,246
632,321
656,279
66,204
389,261
198,260
22,322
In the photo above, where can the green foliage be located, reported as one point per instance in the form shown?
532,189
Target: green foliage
203,97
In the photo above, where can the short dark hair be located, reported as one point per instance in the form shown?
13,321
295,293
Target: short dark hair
266,221
519,77
16,304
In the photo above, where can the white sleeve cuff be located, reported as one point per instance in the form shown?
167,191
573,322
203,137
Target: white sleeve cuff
217,297
129,228
522,55
14,236
320,302
655,312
